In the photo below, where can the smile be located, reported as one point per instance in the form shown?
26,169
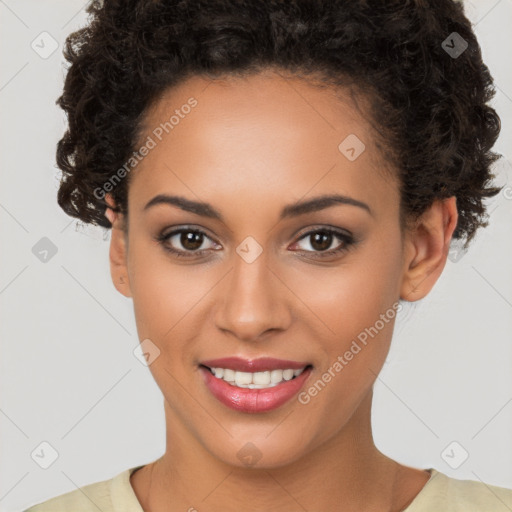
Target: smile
254,386
256,380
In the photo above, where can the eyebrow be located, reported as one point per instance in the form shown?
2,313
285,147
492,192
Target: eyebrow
292,210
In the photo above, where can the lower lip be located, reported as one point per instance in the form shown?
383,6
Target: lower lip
253,400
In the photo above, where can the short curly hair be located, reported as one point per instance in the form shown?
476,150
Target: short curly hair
429,103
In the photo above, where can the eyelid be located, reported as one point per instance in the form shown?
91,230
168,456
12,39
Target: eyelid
324,227
343,235
165,235
347,238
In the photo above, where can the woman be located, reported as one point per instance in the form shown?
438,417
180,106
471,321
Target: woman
278,176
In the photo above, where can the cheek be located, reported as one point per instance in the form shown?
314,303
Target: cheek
171,305
359,311
360,316
162,291
357,304
352,296
153,293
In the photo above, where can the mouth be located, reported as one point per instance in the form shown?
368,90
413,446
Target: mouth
254,386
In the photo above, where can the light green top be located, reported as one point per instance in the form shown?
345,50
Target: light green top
440,494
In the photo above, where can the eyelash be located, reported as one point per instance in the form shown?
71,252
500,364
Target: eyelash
348,242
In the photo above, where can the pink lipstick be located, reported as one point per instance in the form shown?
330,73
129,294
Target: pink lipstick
254,386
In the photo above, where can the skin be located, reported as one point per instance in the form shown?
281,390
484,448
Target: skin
250,147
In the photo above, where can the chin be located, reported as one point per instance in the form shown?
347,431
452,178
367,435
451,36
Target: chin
260,447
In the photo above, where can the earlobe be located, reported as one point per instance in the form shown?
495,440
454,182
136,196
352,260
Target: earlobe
118,251
426,249
118,266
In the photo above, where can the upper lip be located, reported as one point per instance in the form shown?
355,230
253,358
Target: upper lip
254,365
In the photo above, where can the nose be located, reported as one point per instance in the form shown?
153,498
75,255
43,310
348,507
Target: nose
253,300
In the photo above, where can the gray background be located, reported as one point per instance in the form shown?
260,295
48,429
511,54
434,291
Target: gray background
68,373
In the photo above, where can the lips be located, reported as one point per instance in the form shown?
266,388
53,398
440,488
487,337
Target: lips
254,365
259,400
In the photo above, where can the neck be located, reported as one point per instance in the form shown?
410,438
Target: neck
346,469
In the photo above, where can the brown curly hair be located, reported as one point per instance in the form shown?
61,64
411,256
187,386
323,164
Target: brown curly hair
430,105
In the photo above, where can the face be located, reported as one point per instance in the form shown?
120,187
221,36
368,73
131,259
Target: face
242,279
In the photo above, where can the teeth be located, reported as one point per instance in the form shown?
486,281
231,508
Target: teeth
242,378
229,375
276,376
218,372
261,378
287,374
255,380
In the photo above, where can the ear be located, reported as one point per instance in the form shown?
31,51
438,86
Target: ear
426,248
118,250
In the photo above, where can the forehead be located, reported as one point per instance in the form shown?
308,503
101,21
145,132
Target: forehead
274,135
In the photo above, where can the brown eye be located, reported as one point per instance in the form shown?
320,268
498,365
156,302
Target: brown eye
321,240
191,240
185,242
189,243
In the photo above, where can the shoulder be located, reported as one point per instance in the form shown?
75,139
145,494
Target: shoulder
443,493
107,496
88,498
